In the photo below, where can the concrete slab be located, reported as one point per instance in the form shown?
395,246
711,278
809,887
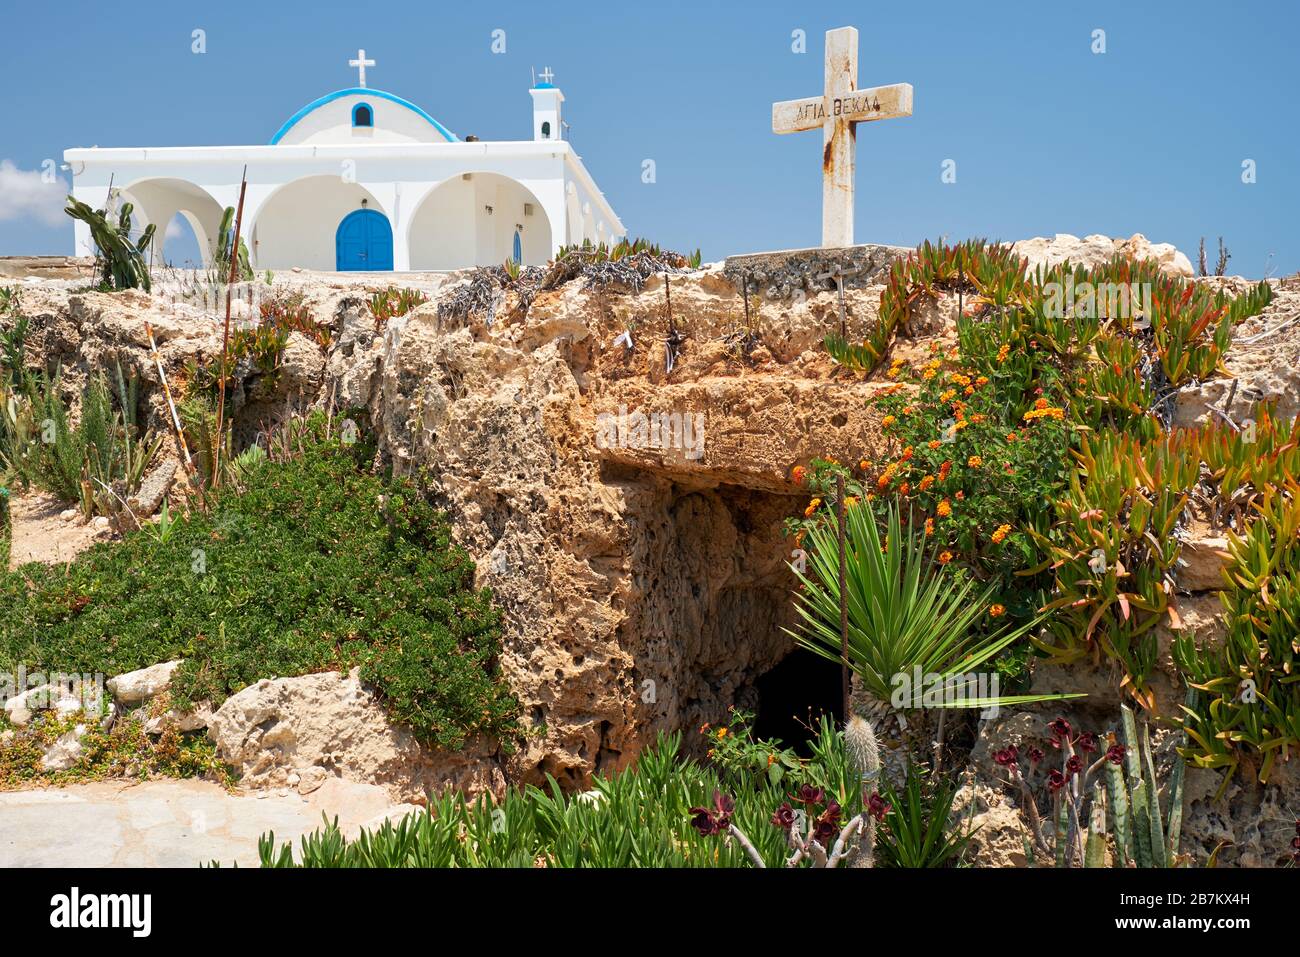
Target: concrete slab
168,823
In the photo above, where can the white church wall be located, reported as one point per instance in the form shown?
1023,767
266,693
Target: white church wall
443,230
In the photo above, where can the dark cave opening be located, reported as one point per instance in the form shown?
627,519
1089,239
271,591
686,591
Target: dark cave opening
794,694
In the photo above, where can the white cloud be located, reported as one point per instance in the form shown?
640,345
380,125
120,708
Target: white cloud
173,230
24,194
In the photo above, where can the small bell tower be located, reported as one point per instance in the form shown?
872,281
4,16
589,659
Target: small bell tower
546,108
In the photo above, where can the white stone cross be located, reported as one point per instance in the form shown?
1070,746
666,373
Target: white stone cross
838,111
361,63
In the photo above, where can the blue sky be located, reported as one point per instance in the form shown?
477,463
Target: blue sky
1047,136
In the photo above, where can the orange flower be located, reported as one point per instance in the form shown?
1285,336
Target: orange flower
887,421
969,390
925,483
904,488
982,380
864,464
944,509
798,474
722,733
907,453
704,727
944,470
1044,412
961,496
1003,352
945,557
947,394
812,507
974,461
850,501
1011,436
978,417
929,526
1040,403
907,410
771,759
934,443
1000,534
996,611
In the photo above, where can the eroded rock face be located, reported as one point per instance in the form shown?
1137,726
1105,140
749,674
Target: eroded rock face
644,586
299,732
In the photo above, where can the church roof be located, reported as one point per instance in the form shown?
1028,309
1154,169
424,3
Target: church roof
362,91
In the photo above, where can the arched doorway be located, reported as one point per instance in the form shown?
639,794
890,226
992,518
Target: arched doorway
298,224
364,242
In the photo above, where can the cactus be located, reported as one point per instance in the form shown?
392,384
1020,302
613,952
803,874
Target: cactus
864,755
1141,831
221,252
1129,790
120,262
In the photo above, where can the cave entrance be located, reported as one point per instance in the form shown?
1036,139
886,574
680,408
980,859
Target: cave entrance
794,694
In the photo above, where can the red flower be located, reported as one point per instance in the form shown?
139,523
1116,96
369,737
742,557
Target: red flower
1007,756
783,817
716,819
878,807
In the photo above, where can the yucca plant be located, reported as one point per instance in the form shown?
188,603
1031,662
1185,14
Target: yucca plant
905,611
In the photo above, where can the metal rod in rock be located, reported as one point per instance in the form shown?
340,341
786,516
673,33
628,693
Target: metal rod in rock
845,683
225,332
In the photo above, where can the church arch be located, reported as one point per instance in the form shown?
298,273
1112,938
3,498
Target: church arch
478,217
158,200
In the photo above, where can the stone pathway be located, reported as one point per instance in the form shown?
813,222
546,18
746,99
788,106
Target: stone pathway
168,823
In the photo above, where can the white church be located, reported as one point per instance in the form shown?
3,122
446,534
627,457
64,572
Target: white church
363,180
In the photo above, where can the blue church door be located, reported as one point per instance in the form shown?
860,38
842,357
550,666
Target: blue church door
364,242
518,250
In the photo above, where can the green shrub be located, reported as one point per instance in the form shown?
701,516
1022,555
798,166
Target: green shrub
313,565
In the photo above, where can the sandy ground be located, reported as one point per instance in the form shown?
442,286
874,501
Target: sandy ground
169,823
40,535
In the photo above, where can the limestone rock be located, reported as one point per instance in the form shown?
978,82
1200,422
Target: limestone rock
1263,364
324,725
1201,563
182,721
136,686
65,751
1096,250
999,827
153,489
60,699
